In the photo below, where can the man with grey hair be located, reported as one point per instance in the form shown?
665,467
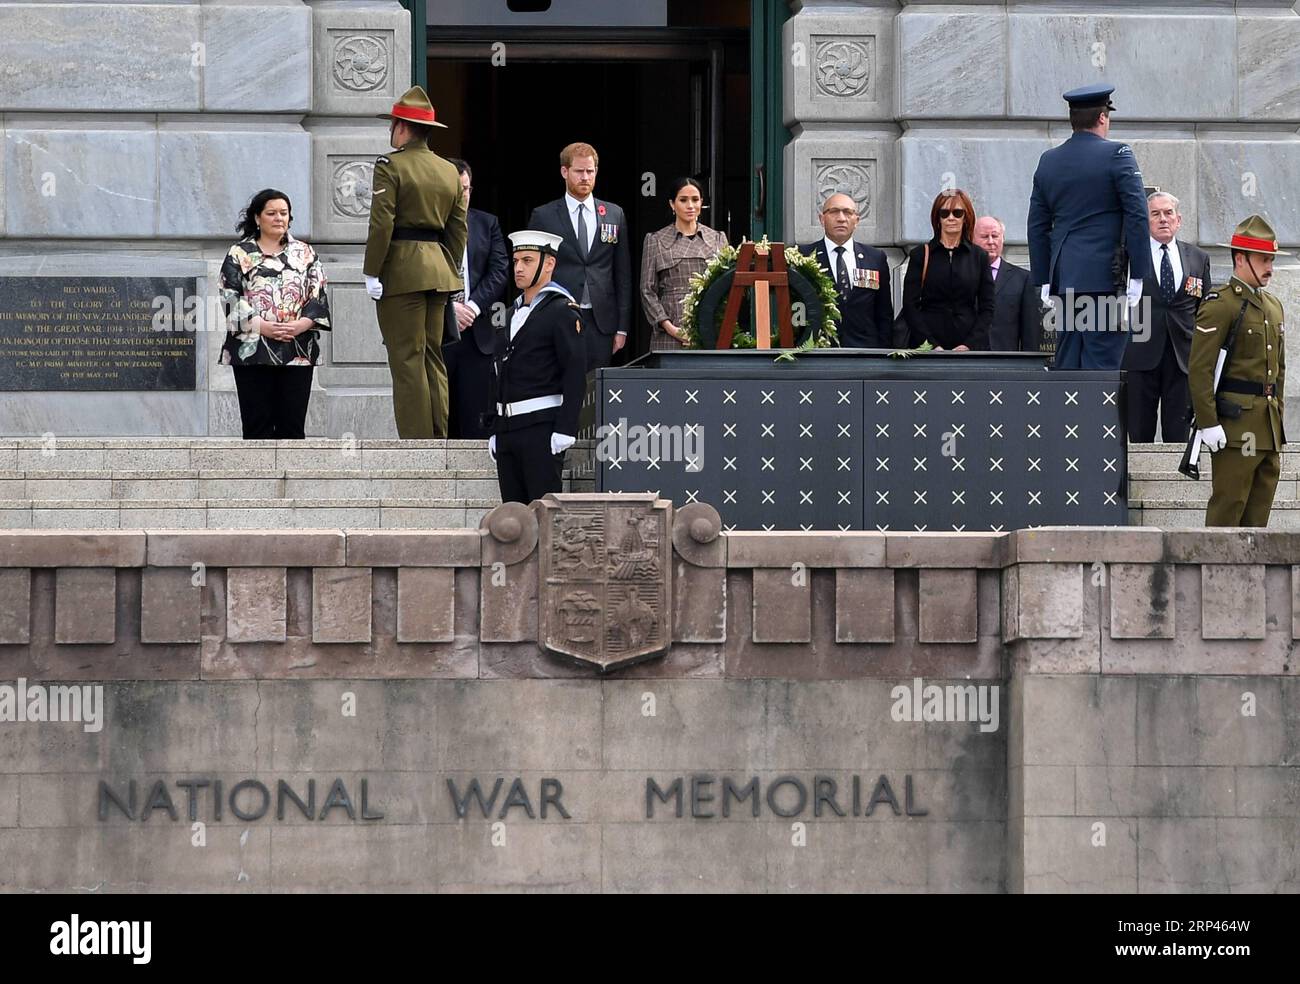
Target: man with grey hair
1018,311
1156,358
860,274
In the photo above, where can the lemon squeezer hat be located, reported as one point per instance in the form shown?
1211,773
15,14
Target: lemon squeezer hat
414,107
1254,235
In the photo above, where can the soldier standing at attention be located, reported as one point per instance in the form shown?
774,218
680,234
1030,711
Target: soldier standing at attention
1087,206
541,375
412,265
1243,427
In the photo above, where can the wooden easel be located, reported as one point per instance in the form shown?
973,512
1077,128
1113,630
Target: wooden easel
760,267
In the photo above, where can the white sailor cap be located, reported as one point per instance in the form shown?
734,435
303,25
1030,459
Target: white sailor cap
543,242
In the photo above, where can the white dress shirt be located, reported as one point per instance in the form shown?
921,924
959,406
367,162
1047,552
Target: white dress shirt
850,260
1157,257
464,278
588,216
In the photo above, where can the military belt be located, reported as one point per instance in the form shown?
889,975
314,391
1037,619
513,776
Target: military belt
401,233
1247,387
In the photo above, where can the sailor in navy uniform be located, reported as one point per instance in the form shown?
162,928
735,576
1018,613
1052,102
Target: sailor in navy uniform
540,374
1088,201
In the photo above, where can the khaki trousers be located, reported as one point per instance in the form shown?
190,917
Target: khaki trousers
412,328
1243,487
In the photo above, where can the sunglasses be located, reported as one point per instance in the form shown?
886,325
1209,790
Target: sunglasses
956,213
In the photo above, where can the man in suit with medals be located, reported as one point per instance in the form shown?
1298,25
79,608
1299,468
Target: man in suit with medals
595,265
412,263
540,374
861,276
1088,235
1156,359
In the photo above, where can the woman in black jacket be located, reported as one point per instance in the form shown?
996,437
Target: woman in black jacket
948,289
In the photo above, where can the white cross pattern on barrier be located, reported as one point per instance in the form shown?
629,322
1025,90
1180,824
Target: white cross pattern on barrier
1034,464
615,463
805,497
1071,430
769,527
767,463
997,528
728,430
1110,498
846,397
1071,498
959,528
958,464
729,527
1071,397
882,497
615,396
767,496
919,464
845,429
1111,429
653,430
995,396
805,464
728,464
918,430
958,497
805,526
696,429
692,396
922,528
651,396
769,430
729,496
844,498
1035,430
919,497
1108,399
882,528
769,397
995,430
805,397
882,464
844,463
1035,498
882,430
1033,397
959,396
692,495
882,396
845,526
995,464
918,396
1109,464
728,396
959,430
1071,464
652,463
996,499
805,430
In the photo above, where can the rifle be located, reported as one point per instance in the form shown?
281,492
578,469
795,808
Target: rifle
1192,453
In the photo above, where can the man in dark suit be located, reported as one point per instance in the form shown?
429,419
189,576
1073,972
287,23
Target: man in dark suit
861,276
1018,310
1088,201
483,270
1156,359
594,263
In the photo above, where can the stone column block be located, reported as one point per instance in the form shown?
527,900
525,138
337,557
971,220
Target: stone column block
952,63
699,603
276,39
840,66
340,604
949,606
1232,601
101,57
361,57
233,163
1042,601
426,604
782,606
1268,85
15,606
1050,52
171,605
819,163
343,168
508,602
1245,171
1169,161
255,604
995,167
864,605
85,605
1142,601
97,180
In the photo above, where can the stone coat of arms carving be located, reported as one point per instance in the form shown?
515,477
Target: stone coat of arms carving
606,569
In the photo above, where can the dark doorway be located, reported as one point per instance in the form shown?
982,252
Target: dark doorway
656,105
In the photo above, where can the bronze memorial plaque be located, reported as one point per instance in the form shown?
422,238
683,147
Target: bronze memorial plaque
606,570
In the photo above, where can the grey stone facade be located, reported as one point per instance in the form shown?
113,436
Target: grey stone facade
133,134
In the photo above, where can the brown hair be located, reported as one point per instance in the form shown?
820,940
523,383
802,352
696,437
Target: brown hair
963,201
1086,119
568,154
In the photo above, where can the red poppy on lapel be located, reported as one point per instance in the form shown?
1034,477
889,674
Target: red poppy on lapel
600,209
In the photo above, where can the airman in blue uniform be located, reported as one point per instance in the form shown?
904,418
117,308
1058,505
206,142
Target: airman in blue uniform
1088,209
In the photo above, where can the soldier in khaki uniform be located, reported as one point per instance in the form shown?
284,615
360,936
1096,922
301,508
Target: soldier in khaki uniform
1247,447
413,253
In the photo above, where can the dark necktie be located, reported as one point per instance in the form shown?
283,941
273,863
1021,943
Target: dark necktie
582,231
841,271
1167,288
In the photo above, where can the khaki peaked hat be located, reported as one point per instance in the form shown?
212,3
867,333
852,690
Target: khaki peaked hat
414,107
1255,235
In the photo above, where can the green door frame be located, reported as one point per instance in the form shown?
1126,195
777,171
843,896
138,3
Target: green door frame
419,42
768,135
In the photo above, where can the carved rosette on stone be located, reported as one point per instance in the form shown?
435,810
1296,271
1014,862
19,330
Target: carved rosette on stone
605,577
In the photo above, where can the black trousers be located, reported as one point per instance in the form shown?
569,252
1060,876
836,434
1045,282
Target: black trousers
1164,386
600,347
273,401
469,381
526,469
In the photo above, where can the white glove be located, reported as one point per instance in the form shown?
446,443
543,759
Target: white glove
1214,438
561,443
1134,292
1045,294
492,447
374,288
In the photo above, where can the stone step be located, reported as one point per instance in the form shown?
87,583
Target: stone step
1166,486
1174,514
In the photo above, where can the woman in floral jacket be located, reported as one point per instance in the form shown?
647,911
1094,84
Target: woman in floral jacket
273,291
